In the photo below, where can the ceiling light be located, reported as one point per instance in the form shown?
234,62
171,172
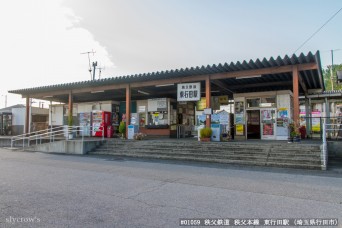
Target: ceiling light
252,76
99,91
143,92
165,85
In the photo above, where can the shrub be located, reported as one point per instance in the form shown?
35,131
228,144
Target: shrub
206,132
122,128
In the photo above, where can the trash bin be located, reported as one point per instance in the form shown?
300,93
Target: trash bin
109,131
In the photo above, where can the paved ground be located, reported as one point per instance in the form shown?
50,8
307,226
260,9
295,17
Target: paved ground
47,190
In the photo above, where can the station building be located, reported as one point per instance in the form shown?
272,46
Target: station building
262,95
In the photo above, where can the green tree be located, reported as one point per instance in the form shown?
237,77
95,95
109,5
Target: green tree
327,75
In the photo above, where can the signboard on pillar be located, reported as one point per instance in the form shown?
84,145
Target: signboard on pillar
189,91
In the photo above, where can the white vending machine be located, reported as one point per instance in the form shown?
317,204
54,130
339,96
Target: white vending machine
216,132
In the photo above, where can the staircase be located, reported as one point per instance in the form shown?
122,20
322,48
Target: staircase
276,154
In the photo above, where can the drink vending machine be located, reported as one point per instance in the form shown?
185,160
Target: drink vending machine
85,122
100,122
5,123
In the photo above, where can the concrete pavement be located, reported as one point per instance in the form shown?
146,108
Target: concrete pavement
47,190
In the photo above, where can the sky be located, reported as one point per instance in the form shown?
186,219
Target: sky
42,41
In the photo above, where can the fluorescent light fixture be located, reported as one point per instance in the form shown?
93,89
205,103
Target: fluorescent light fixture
48,96
143,92
99,91
252,76
171,84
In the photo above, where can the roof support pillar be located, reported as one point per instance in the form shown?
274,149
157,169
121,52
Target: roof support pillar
128,107
208,99
295,82
70,107
327,115
27,116
308,116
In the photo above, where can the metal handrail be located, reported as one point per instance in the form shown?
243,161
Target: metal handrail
35,132
51,133
333,129
327,129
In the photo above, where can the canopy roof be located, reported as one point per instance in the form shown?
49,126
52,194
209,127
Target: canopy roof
240,77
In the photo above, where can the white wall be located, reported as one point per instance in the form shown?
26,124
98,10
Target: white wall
39,111
18,117
84,108
57,114
19,114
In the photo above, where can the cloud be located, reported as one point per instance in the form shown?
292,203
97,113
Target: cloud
41,45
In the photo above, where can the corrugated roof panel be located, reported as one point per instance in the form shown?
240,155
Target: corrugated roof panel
238,66
265,62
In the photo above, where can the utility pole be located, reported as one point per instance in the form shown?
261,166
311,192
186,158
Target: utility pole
94,66
331,68
88,52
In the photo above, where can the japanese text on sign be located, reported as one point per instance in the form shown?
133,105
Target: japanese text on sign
189,91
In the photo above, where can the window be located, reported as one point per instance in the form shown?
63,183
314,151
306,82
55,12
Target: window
253,102
268,102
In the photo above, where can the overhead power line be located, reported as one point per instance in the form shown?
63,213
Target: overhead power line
317,30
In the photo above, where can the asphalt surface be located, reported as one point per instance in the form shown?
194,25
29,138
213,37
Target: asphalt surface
48,190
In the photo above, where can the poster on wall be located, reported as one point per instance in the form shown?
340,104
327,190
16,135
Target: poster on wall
266,115
201,104
223,100
189,91
215,103
224,118
215,119
316,121
239,119
239,129
201,119
155,118
239,112
157,104
267,129
239,107
282,113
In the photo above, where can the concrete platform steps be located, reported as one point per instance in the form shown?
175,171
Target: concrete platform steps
185,154
209,155
305,156
224,161
154,144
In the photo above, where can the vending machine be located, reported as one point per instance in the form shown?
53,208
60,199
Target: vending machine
6,124
85,123
100,121
215,136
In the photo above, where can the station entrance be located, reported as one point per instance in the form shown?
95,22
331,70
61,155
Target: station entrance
253,124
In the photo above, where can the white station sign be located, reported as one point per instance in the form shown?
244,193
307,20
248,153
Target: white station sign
189,91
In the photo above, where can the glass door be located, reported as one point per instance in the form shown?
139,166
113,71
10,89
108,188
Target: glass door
268,123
